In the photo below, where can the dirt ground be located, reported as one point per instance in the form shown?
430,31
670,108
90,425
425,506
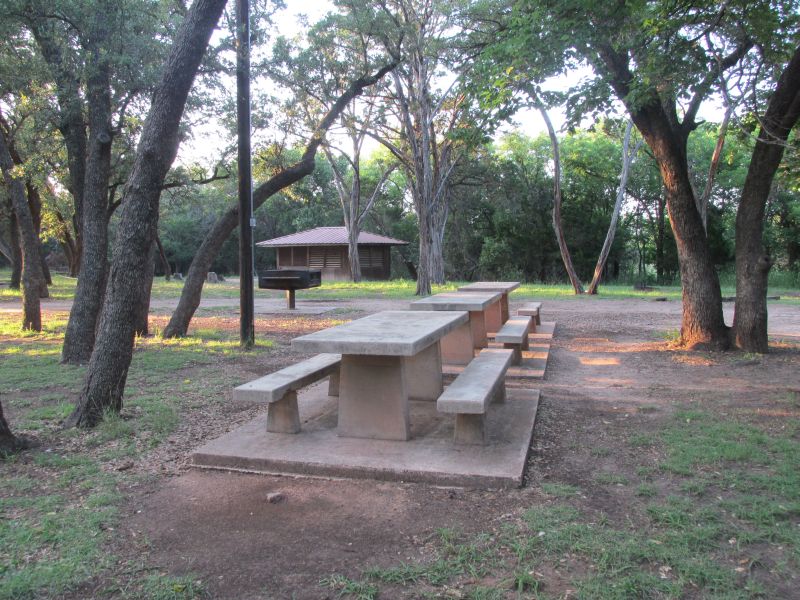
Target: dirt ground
612,373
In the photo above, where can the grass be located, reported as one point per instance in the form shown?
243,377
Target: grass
59,503
735,508
64,289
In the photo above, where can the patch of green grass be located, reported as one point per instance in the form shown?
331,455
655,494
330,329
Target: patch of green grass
53,543
610,479
162,587
358,590
560,490
646,490
600,451
702,440
641,440
63,287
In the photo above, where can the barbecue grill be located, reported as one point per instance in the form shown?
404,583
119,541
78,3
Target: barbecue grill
289,280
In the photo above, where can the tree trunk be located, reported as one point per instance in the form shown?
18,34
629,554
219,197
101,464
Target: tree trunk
8,442
164,262
141,325
108,367
557,225
627,159
79,337
16,250
352,250
752,260
190,295
32,278
423,270
702,201
35,205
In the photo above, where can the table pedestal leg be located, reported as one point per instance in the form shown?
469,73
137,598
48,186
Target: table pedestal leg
477,327
373,398
424,374
504,307
457,346
494,316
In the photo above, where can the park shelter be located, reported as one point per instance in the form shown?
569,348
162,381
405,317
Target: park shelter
325,248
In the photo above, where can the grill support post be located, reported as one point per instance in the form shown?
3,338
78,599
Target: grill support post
290,299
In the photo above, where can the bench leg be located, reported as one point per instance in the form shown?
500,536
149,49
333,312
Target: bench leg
500,394
517,359
538,320
333,384
283,416
470,429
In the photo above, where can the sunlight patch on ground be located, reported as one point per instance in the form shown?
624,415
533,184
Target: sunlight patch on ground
598,361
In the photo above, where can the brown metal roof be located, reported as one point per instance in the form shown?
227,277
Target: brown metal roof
328,236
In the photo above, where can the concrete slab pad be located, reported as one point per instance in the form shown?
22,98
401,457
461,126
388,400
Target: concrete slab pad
430,456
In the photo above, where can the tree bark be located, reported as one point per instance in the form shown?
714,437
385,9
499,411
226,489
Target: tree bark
627,159
32,278
703,200
557,225
192,289
107,372
79,337
752,259
16,249
142,319
8,442
164,262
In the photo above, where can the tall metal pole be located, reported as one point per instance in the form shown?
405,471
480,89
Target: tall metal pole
246,308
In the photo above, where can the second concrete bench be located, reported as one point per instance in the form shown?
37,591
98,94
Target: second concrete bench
531,309
279,390
514,336
481,382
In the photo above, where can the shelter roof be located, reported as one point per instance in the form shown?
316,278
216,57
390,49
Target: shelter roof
328,236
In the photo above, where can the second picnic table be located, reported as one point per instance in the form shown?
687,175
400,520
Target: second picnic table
499,315
458,346
387,358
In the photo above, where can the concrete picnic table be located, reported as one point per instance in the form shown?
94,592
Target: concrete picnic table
387,358
458,346
494,317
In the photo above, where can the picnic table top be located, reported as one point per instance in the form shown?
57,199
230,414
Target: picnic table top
457,301
387,333
506,287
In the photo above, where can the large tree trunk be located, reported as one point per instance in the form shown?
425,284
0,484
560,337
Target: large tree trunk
627,159
80,334
190,295
657,120
163,257
8,443
108,367
557,224
141,324
16,249
32,278
752,260
35,205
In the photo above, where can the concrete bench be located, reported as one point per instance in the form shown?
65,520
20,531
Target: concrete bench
279,390
514,336
468,397
531,309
